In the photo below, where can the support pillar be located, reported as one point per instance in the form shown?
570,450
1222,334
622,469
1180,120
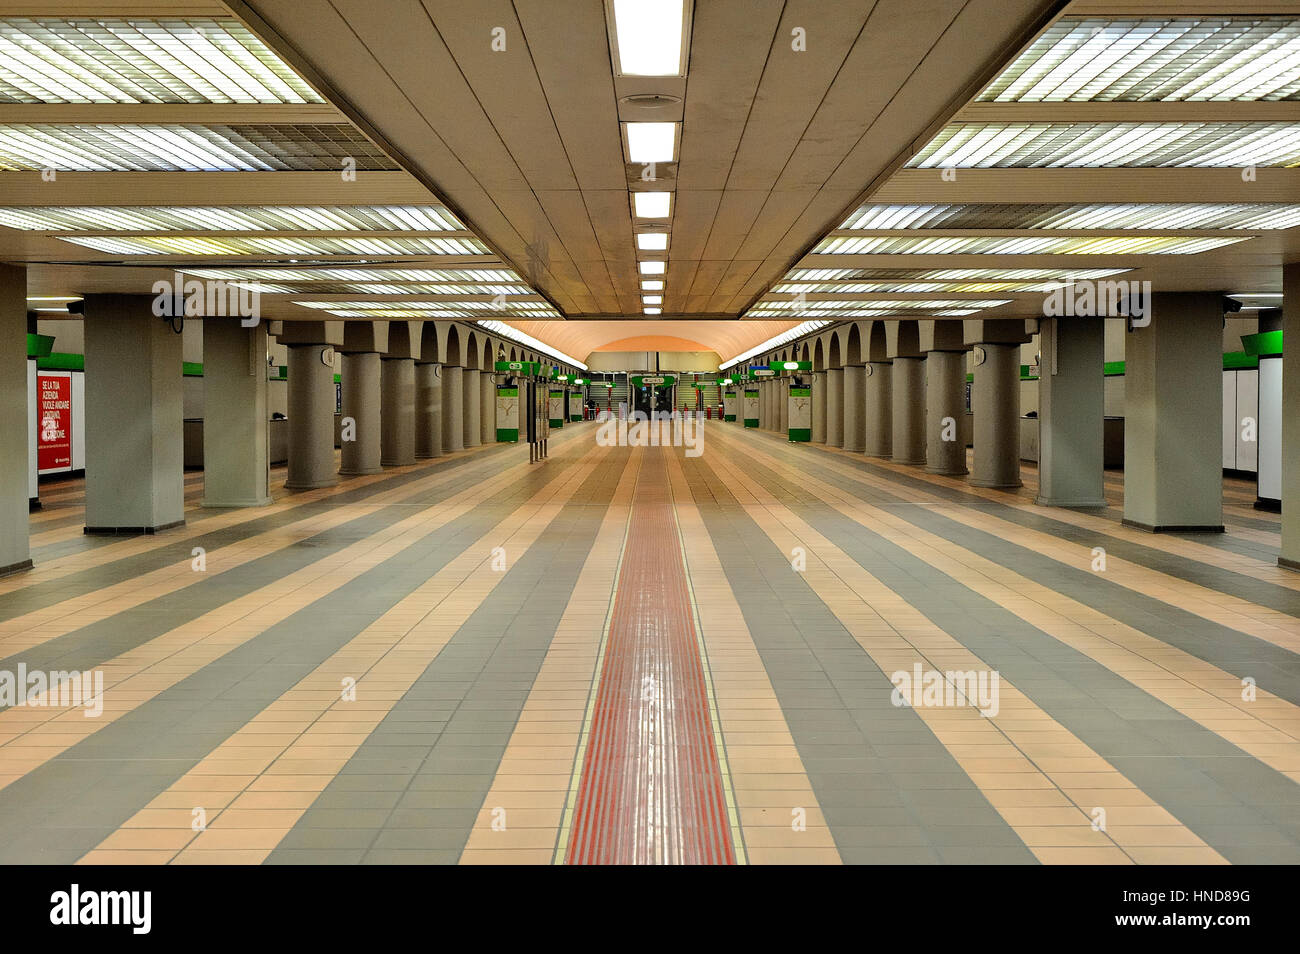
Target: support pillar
453,409
236,449
879,426
854,405
428,410
835,407
907,377
945,406
362,415
397,411
1071,412
311,417
135,470
819,407
15,424
995,402
783,406
1173,415
472,403
488,407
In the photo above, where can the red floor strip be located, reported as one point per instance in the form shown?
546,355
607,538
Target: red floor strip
651,787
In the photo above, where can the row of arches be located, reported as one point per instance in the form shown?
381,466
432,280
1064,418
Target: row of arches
448,342
851,343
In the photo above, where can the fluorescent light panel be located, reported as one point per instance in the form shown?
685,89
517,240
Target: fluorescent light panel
652,268
429,218
652,205
652,241
651,142
649,36
224,245
1024,245
102,60
1156,60
798,331
652,311
1119,145
652,299
652,284
950,274
1150,215
528,341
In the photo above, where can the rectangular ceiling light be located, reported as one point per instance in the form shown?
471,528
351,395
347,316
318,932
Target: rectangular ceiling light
652,268
649,37
171,147
1134,215
652,284
1071,145
106,60
950,274
651,142
399,218
233,245
652,311
477,277
651,205
1187,59
1025,245
652,241
652,299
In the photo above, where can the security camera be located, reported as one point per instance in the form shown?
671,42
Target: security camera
1231,306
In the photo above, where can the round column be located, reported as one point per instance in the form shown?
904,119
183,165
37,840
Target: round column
819,407
398,412
453,409
853,408
488,407
472,402
908,380
995,401
945,406
878,440
835,408
311,418
428,410
361,403
783,406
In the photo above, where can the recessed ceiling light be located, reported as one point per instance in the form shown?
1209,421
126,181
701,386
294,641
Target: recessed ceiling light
652,311
649,36
652,299
651,142
652,241
651,205
652,268
652,284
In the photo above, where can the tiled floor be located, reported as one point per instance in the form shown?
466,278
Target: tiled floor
455,662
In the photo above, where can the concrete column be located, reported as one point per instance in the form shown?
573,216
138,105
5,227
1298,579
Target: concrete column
945,405
397,414
907,376
1071,412
362,415
311,417
453,409
783,406
428,410
819,407
854,405
835,408
1173,415
236,450
1290,555
488,407
879,428
135,471
473,405
995,401
15,425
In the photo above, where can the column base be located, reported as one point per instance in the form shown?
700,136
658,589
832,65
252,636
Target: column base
429,456
1281,561
34,504
1173,528
1269,504
111,531
908,462
18,567
994,484
262,502
947,472
401,463
367,472
1065,502
311,485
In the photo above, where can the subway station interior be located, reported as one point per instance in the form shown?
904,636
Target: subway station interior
531,432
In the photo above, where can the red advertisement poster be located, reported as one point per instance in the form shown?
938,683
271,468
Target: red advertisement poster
53,422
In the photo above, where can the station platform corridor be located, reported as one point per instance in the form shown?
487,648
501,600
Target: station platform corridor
633,655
